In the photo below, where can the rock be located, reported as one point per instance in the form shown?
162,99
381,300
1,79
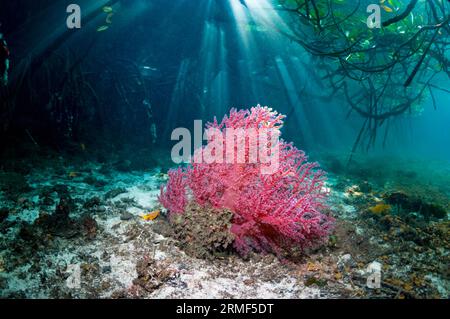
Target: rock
62,210
115,192
152,274
104,255
3,284
47,201
4,212
126,216
106,269
311,280
89,226
27,233
129,201
345,261
204,232
433,210
100,209
119,294
413,204
35,268
249,282
46,191
92,202
59,223
20,294
61,189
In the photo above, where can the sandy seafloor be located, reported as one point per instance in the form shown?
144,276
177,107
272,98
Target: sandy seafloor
112,245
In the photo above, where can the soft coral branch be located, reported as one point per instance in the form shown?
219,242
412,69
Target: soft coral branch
173,195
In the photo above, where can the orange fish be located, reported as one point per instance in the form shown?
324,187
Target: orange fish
73,174
151,216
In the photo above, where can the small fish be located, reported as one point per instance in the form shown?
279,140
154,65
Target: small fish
145,67
73,174
386,8
152,215
107,9
83,147
149,72
102,28
109,18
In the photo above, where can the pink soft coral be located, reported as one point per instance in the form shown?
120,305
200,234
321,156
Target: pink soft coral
271,211
174,198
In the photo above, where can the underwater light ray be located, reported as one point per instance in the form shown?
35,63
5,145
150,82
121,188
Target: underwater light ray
223,75
241,19
294,99
208,54
213,63
247,26
177,95
265,12
217,73
304,72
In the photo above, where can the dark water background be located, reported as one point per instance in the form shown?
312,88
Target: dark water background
188,60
